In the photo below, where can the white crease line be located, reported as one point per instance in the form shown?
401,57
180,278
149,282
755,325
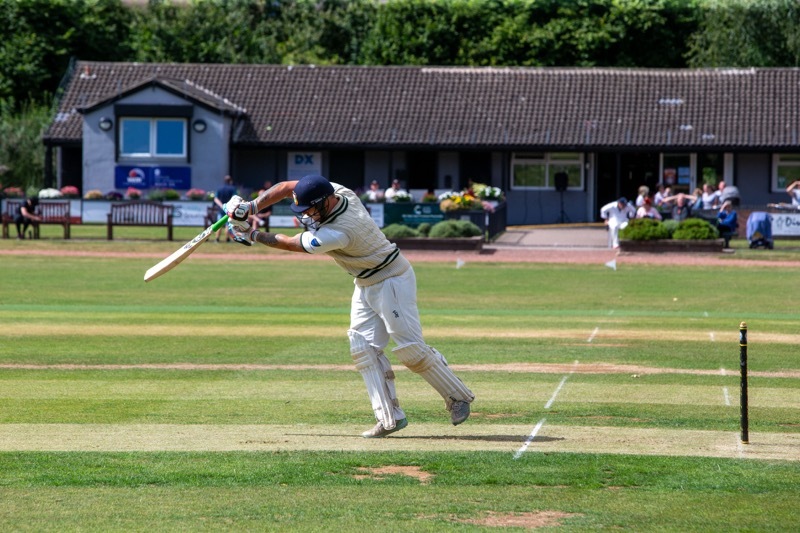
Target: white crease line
530,439
725,389
558,389
611,312
705,314
711,335
591,337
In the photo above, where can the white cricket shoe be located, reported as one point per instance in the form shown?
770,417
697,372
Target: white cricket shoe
379,432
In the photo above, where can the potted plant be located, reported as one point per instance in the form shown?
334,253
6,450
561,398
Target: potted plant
94,194
70,191
49,194
196,195
133,193
13,192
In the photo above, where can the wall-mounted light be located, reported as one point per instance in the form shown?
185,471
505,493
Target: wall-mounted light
106,124
199,125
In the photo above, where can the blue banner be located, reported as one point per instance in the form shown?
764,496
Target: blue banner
126,176
142,177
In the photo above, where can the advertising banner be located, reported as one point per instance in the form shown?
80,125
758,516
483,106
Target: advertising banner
144,177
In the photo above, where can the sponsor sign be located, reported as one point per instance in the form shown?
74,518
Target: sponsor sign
301,164
785,225
147,177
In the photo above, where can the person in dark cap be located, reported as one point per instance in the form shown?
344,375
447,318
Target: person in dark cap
375,193
393,191
616,216
26,215
384,302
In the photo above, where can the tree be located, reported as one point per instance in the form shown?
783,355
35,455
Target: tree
747,33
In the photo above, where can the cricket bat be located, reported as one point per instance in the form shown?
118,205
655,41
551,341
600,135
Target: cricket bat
183,252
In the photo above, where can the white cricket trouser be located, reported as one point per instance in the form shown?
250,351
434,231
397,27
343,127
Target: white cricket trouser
388,310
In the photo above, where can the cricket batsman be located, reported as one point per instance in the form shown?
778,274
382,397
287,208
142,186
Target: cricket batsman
384,302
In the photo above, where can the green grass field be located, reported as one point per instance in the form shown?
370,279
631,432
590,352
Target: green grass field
221,396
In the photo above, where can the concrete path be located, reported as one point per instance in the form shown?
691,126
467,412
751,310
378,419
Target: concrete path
581,236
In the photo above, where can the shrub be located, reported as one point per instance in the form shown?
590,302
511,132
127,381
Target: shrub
670,225
399,231
695,229
644,229
448,229
424,229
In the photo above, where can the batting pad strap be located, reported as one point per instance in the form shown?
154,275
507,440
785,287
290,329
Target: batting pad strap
432,366
365,358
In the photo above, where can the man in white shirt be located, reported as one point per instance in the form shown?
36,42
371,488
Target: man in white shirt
616,214
392,191
384,302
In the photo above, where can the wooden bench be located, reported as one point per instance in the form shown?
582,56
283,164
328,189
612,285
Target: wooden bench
140,214
55,212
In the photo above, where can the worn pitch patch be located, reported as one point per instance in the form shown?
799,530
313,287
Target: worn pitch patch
417,437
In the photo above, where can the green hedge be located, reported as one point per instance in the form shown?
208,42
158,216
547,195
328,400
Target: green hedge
647,229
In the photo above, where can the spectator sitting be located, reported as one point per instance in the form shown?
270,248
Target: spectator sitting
648,211
616,215
644,191
682,205
793,190
727,221
26,215
710,197
661,192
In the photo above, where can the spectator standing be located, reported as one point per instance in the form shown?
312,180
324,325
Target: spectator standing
375,193
261,219
26,215
223,196
392,191
616,215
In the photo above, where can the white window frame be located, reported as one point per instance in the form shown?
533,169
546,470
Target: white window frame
153,153
782,160
548,160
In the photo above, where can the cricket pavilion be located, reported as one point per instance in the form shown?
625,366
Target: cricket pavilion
607,130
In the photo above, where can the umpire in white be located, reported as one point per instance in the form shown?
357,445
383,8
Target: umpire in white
384,303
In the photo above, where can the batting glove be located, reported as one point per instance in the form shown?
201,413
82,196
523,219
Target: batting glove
238,209
241,232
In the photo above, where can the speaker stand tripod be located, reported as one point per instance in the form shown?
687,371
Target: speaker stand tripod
563,216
